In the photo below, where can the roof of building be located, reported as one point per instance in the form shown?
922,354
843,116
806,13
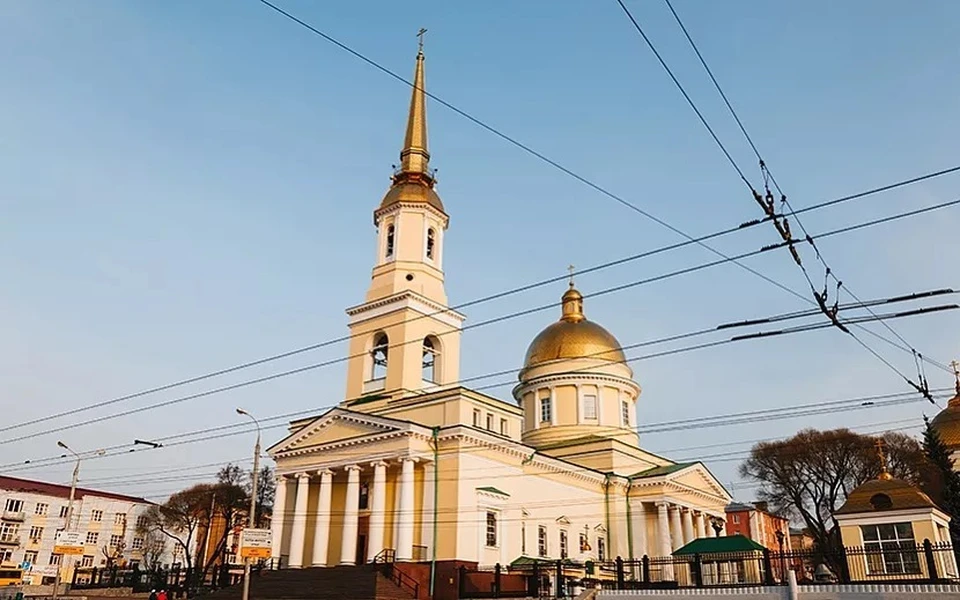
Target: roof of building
30,486
947,421
739,507
492,490
718,545
662,470
884,494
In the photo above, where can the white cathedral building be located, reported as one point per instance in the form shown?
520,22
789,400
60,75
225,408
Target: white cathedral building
414,465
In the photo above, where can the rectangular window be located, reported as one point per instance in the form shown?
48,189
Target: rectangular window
364,502
86,561
92,538
542,541
491,529
589,406
42,508
31,556
56,559
141,522
489,422
13,505
137,543
96,516
6,556
563,544
601,549
35,534
476,418
503,427
120,519
546,410
736,519
116,541
64,510
10,533
584,543
890,549
625,412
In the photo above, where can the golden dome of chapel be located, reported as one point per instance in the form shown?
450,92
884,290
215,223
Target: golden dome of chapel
947,421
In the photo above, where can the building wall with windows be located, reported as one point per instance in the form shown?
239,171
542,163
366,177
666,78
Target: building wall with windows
759,524
34,511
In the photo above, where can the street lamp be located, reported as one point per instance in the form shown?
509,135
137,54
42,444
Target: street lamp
253,500
73,491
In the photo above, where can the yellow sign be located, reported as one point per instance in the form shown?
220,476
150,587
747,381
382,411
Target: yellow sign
68,542
69,550
254,552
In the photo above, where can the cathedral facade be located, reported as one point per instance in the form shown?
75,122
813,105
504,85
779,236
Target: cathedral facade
412,466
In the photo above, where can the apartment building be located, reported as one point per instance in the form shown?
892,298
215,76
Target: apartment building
756,522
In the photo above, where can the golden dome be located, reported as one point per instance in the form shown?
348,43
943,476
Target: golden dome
885,493
410,192
572,337
947,422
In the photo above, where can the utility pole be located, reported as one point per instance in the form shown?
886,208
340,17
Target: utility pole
253,501
73,492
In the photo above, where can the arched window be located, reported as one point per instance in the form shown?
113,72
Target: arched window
391,235
881,502
431,350
379,354
431,242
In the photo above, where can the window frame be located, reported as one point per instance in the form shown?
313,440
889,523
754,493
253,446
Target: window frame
41,509
546,409
883,550
543,545
593,414
492,529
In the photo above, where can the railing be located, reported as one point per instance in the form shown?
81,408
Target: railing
386,559
387,555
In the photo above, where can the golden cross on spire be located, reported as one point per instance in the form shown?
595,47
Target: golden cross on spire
420,36
956,373
571,269
883,459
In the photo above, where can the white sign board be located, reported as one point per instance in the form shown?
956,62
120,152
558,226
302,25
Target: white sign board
256,543
68,542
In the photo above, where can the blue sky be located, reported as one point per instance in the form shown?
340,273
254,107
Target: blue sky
188,186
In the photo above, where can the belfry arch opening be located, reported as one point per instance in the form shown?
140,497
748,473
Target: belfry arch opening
431,243
431,359
391,240
379,355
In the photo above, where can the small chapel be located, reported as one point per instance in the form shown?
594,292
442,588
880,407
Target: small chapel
414,467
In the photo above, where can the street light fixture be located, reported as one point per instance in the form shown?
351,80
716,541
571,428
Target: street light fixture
73,491
253,500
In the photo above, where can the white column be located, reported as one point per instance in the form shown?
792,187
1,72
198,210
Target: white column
351,515
639,525
701,526
676,529
687,515
405,533
378,510
663,529
321,535
299,531
277,520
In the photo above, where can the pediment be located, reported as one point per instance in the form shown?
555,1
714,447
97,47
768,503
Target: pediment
337,425
698,477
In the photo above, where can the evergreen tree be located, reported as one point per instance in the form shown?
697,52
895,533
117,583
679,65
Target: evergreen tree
942,484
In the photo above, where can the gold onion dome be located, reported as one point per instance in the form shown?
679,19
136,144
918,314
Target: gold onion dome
947,422
573,337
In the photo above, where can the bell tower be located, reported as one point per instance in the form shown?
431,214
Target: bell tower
404,337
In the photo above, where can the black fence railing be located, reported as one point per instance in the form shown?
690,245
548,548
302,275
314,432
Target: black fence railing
178,582
884,563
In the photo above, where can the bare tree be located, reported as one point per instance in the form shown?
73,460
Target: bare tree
154,547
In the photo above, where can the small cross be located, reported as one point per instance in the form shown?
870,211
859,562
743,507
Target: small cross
956,373
420,35
571,269
883,459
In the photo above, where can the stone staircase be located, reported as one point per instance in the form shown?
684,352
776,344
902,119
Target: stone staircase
362,582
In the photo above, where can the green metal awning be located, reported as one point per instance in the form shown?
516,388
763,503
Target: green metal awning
719,545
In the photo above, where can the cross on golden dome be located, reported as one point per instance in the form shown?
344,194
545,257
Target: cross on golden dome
884,474
571,269
956,374
420,38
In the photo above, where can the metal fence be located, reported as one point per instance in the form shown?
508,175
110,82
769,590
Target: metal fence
176,581
892,563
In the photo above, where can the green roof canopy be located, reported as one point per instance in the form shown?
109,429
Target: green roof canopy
664,470
719,545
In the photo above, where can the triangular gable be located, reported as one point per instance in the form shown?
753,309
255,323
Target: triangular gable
336,425
697,476
563,520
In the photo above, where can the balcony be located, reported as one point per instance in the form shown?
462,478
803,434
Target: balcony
14,515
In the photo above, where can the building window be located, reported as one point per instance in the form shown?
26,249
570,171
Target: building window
64,511
601,549
491,529
42,508
391,237
584,543
31,556
35,534
120,519
137,543
56,559
430,352
431,242
13,505
542,540
92,538
116,541
10,533
891,549
589,406
625,412
489,422
141,522
476,418
86,561
96,516
563,544
381,345
503,427
364,496
546,410
736,519
6,556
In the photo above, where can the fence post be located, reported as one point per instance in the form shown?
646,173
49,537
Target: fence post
844,565
560,587
535,584
767,568
931,563
646,569
496,581
619,573
461,581
697,572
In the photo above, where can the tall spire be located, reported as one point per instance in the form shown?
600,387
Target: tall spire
414,158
